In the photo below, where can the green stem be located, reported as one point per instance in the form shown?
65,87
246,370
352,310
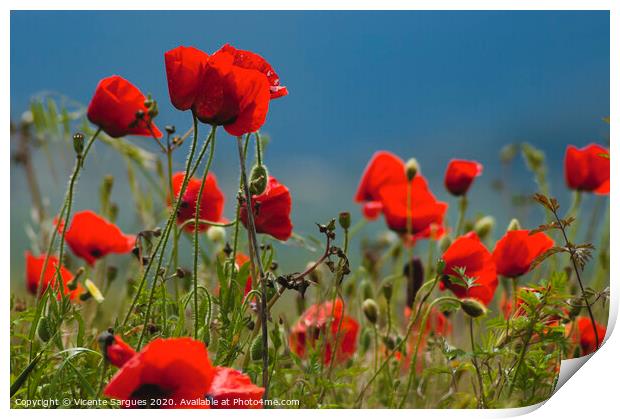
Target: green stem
462,210
163,240
259,264
412,366
413,319
481,398
197,229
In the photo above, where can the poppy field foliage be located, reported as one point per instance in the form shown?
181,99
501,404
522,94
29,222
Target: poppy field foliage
430,313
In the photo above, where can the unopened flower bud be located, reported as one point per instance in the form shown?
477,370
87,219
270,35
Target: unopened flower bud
78,143
371,310
514,225
180,272
441,265
484,226
444,243
93,291
387,290
258,179
344,219
216,234
411,168
473,307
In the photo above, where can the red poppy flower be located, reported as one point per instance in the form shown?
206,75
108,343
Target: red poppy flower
230,88
514,253
586,337
469,253
34,266
587,169
114,106
92,237
252,61
116,351
313,322
272,211
384,168
424,210
236,388
177,369
184,68
211,204
460,174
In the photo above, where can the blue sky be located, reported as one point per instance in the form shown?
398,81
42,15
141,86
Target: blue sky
434,85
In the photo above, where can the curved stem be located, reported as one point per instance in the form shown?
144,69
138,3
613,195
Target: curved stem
197,229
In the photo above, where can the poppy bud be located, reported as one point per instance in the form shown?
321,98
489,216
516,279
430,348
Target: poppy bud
258,179
371,310
483,226
473,307
180,272
414,273
514,225
444,243
44,331
93,291
441,265
387,290
411,168
78,143
216,234
344,219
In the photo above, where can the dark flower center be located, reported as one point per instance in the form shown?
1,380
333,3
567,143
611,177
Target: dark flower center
149,392
96,253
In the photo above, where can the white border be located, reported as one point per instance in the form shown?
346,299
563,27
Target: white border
594,393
